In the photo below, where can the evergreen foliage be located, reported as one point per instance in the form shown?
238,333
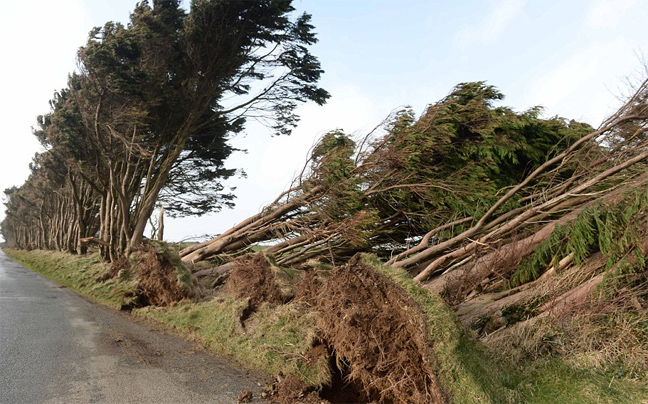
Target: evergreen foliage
148,118
460,153
379,193
616,229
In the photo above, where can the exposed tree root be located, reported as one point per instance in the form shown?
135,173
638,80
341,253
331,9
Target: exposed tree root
379,334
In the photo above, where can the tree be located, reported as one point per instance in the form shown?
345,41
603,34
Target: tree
148,117
44,212
438,173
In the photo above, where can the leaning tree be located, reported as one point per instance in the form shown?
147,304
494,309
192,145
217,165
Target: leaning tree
510,216
148,116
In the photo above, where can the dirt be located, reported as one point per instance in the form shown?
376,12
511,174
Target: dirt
246,396
254,280
315,353
378,335
309,286
119,264
290,390
158,280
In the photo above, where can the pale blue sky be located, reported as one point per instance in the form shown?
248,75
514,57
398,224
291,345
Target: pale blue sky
569,56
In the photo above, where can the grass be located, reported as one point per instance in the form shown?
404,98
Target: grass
77,272
274,338
474,375
555,381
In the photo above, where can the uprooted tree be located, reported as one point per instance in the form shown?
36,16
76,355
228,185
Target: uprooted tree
420,179
470,198
147,118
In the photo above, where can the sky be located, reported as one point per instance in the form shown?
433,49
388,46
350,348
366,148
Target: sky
574,58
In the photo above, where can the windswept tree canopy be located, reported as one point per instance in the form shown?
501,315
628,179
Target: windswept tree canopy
147,118
386,191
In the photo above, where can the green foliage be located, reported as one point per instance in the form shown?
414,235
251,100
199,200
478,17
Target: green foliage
621,229
459,155
148,117
332,157
615,229
453,162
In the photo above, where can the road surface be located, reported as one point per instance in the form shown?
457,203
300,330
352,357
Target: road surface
57,347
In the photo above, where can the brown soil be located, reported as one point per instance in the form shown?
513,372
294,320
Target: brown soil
291,390
318,351
378,335
309,286
246,396
158,280
253,279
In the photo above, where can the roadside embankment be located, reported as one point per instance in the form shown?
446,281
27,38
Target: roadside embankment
362,332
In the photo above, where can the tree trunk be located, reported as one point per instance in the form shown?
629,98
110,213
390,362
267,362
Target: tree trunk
160,232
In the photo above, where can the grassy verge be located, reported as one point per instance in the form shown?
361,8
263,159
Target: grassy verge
274,338
279,338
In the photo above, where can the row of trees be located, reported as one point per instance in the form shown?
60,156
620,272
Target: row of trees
147,118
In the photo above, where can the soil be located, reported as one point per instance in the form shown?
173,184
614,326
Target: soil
291,390
158,280
254,280
343,390
309,286
372,332
116,266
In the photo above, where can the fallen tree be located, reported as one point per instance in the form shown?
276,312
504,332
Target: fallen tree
439,181
407,179
510,217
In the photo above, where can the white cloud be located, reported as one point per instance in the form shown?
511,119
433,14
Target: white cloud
607,13
500,14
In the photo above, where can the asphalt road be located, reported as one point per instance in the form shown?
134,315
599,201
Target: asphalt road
57,347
